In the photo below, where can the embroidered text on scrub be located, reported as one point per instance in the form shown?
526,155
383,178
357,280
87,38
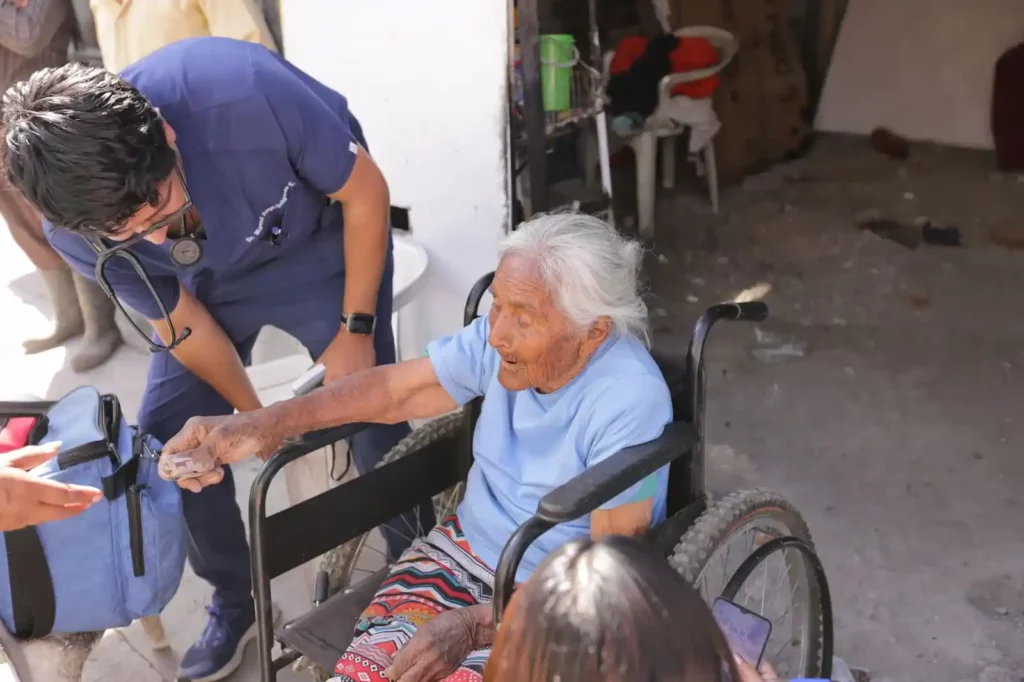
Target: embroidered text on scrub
275,231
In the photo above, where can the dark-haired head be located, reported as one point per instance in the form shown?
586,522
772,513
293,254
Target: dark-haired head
608,611
85,147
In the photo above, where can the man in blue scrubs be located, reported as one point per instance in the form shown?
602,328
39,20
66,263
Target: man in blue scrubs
228,174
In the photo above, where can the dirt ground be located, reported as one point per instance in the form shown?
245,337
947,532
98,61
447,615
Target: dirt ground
893,422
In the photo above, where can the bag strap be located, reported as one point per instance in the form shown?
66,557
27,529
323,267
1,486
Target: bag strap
32,598
25,408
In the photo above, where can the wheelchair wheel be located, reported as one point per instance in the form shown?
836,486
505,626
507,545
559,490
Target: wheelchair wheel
357,559
783,588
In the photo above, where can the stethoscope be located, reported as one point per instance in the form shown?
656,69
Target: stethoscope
186,251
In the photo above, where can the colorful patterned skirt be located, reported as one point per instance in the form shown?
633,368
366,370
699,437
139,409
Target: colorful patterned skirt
436,574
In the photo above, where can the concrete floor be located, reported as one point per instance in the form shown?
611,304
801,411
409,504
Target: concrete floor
897,434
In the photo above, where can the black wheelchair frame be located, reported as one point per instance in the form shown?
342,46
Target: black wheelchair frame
307,530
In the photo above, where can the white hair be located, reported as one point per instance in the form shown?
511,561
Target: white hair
590,269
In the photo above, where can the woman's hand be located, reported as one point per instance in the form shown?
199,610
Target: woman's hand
26,500
749,673
196,456
437,648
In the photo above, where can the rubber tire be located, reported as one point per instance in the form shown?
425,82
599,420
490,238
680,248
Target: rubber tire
714,527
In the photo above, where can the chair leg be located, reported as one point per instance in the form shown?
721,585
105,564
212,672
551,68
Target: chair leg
589,156
668,161
711,168
645,147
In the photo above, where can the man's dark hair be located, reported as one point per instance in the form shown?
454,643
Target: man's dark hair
612,610
84,146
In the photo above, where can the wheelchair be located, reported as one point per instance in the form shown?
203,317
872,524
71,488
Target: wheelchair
736,547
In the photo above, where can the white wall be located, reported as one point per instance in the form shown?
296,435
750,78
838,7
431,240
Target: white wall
427,80
921,67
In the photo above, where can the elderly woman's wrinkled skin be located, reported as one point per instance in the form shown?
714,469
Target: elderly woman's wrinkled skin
539,347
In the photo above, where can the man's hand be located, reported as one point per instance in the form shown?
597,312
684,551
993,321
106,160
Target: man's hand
26,500
437,648
196,456
348,353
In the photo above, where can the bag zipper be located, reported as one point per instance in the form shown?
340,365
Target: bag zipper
112,416
110,427
133,498
87,452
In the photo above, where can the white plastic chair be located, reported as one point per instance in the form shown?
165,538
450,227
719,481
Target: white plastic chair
659,126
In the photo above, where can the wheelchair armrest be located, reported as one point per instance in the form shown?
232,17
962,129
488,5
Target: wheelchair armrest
308,443
600,483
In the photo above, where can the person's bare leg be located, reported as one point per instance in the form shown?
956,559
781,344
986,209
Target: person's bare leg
26,227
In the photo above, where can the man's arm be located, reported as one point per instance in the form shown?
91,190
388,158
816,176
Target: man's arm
365,202
238,19
28,26
327,153
208,352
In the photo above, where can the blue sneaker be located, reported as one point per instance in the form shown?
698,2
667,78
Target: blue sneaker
219,650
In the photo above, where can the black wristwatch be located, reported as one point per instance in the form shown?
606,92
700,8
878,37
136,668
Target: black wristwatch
359,323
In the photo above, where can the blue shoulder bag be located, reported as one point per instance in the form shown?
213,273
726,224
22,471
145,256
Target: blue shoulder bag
122,558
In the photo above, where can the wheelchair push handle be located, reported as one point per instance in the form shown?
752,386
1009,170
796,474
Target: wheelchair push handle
748,311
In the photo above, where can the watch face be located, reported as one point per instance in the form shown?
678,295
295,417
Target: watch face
359,323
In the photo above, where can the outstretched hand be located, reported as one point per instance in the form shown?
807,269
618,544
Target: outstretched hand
27,500
196,456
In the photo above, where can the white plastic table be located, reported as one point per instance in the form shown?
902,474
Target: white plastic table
272,379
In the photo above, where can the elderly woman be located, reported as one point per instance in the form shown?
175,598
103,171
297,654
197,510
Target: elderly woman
562,364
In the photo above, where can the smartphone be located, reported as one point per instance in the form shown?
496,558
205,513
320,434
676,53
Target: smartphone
746,632
311,379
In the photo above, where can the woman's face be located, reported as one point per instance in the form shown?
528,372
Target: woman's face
540,347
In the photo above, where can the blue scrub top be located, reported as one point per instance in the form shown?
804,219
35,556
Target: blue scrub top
262,145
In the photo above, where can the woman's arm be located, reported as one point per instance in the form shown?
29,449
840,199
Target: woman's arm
632,518
383,395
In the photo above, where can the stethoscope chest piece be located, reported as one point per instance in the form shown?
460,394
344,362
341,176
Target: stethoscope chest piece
186,252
